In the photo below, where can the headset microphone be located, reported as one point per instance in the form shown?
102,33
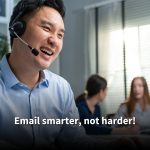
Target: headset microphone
34,51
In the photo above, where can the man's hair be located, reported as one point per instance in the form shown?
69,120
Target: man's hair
25,7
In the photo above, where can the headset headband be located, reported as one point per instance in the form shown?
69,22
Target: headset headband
24,6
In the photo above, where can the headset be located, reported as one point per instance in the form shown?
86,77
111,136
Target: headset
18,26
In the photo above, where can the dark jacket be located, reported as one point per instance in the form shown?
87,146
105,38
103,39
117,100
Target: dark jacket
85,113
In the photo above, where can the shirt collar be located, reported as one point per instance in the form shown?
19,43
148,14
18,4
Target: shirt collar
11,80
44,78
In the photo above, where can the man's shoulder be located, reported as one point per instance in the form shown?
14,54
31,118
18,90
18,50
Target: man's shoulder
59,84
1,81
54,77
0,75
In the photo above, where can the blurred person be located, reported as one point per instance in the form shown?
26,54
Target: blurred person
89,108
138,104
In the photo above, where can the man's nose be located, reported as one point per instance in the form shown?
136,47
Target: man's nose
52,40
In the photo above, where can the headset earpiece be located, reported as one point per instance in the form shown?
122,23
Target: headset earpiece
17,24
19,27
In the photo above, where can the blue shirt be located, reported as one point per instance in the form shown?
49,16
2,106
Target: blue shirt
52,97
85,113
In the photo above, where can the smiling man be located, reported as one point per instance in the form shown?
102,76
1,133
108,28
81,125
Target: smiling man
28,90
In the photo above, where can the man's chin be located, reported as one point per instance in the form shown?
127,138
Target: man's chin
43,64
43,67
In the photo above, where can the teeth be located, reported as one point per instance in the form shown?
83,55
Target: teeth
47,52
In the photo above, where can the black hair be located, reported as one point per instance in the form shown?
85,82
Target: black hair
25,7
94,84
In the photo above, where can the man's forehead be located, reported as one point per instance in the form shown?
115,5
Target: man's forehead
47,22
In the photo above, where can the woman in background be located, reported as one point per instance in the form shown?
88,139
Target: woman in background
138,104
88,106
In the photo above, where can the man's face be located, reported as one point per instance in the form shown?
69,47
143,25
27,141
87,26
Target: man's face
45,32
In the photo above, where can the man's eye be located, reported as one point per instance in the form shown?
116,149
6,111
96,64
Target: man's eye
46,28
60,36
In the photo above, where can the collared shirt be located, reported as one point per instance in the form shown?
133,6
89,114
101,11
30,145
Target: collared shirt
142,118
52,97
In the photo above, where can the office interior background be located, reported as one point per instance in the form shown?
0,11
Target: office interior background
108,37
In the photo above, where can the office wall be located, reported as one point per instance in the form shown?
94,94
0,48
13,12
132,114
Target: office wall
72,59
54,67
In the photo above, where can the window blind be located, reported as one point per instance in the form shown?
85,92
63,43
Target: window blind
136,37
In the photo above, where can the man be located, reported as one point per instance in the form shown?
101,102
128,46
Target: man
31,93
